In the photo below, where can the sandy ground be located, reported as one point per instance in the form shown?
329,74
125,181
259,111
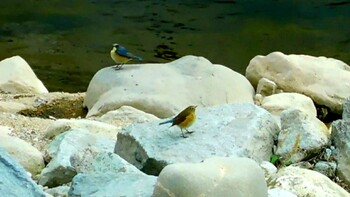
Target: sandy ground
39,111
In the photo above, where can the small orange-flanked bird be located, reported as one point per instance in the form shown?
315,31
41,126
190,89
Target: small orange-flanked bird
184,119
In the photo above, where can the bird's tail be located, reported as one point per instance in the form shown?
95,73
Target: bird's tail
134,57
137,58
166,122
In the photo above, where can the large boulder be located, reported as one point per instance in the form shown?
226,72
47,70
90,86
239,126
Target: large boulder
306,183
70,151
15,180
16,76
302,136
224,177
109,175
277,103
325,80
164,89
222,130
27,155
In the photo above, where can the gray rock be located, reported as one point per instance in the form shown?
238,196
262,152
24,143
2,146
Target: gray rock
341,140
346,109
154,88
60,191
329,153
326,168
222,130
325,80
109,176
301,136
266,87
219,176
14,180
70,151
306,183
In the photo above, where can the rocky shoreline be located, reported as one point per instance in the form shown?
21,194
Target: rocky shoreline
283,129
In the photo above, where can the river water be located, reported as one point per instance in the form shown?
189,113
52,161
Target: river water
66,42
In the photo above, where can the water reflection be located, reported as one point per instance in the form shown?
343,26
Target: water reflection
66,42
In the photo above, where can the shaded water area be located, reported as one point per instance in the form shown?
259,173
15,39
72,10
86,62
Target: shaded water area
66,42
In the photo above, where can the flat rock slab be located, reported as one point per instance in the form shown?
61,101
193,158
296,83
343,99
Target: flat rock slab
225,130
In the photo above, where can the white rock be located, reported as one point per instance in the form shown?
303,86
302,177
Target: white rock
268,168
306,183
95,127
16,76
266,87
125,116
239,177
4,130
258,98
27,155
60,191
277,103
277,192
301,136
165,89
325,80
11,106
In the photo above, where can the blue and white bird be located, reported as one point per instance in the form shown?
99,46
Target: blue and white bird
121,56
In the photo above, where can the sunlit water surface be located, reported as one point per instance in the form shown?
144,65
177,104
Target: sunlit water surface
66,42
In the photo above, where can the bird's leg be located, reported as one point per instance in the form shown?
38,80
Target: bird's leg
118,66
183,135
189,131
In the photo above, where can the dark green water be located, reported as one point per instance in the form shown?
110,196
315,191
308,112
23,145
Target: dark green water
66,42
